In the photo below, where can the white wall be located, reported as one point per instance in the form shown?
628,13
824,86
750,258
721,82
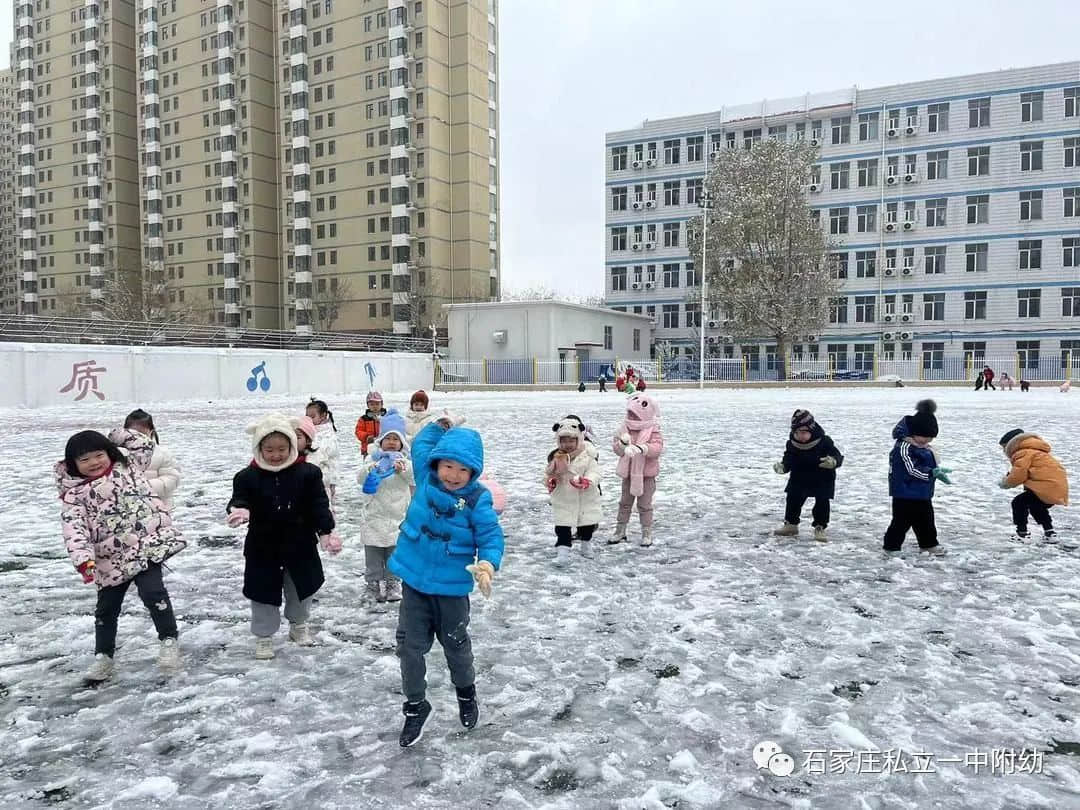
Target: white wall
35,373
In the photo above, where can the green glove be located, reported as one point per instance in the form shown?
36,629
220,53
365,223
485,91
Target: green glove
828,463
941,474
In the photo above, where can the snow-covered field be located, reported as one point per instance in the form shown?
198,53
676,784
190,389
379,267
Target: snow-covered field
641,679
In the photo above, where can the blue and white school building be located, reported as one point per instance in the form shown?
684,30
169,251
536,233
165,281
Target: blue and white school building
955,205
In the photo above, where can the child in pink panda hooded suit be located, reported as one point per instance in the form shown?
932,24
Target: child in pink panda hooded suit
638,444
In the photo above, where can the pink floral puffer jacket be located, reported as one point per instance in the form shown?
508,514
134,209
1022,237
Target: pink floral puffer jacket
116,521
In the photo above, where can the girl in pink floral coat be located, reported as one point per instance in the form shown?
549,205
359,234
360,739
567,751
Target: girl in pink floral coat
117,532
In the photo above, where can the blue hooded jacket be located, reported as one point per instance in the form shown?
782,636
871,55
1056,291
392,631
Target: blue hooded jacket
910,466
444,531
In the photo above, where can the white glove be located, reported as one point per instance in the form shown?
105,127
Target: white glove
778,468
828,463
632,450
625,438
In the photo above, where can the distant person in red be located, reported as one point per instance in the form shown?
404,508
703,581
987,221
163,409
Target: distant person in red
620,383
988,378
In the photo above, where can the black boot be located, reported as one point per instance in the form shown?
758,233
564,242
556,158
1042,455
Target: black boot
416,714
468,709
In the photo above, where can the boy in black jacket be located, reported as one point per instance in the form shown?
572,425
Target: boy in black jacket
811,458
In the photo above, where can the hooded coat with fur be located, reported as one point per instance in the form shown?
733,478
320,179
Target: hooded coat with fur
325,454
384,511
1034,468
445,531
162,472
573,506
116,520
289,510
643,427
802,461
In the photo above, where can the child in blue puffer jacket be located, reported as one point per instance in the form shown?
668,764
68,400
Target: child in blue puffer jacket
913,469
450,538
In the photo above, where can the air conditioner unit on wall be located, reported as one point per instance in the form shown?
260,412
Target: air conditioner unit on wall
650,162
888,318
892,180
889,336
649,285
906,335
890,227
911,177
650,203
729,339
894,132
650,245
811,338
637,164
635,246
499,336
714,324
636,205
890,271
907,317
635,285
909,225
815,187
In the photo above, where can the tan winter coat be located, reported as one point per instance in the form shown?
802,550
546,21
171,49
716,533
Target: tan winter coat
1037,470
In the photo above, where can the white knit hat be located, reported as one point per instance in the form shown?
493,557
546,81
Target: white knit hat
273,423
568,427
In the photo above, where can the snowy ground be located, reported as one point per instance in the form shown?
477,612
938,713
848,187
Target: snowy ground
641,679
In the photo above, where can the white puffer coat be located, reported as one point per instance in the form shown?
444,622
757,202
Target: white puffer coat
325,455
572,506
162,473
415,421
384,511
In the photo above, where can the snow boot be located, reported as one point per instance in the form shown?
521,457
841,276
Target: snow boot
169,654
393,590
1049,536
586,549
895,553
373,592
934,551
819,534
100,670
300,634
619,535
416,715
787,530
264,648
468,708
562,556
1021,537
646,536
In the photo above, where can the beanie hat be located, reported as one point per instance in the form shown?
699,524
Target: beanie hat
374,396
569,427
393,424
924,423
419,396
274,423
802,419
305,426
1008,437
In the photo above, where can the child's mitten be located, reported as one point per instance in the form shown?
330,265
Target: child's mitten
87,571
828,463
778,468
632,450
941,474
551,484
483,572
579,482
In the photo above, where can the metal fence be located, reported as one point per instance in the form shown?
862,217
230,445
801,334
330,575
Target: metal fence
930,367
38,329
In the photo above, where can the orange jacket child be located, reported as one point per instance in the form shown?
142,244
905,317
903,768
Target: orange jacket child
367,426
1042,476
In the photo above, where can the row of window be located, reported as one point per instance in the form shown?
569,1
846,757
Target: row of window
838,129
863,308
976,258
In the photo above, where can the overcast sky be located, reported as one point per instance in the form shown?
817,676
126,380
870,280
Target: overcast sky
572,70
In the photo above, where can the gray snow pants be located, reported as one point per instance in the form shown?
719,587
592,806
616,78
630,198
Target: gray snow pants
375,559
266,619
422,618
644,502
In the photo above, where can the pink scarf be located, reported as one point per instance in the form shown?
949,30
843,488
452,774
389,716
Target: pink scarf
640,431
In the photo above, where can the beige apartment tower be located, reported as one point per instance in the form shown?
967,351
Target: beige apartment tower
285,164
9,261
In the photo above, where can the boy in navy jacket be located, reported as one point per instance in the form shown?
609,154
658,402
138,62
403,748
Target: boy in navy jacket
450,538
913,469
811,458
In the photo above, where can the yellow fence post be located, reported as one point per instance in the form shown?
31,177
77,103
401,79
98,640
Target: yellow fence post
744,375
1068,365
1019,373
874,365
483,370
535,378
660,368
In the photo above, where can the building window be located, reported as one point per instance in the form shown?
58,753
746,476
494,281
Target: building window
1031,106
618,239
1031,205
750,137
838,220
1071,201
671,276
1030,254
937,165
618,279
1027,353
671,193
933,306
933,356
671,152
608,338
1070,302
975,256
637,340
865,264
978,209
671,234
935,212
975,305
838,310
618,198
618,158
671,316
1072,102
1031,156
978,161
841,130
937,117
1028,303
868,126
934,260
866,218
868,172
1070,252
978,112
864,308
839,172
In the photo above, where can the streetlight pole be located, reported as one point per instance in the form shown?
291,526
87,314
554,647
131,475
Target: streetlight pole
705,203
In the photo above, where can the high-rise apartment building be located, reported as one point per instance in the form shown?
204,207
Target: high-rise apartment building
257,163
954,205
9,260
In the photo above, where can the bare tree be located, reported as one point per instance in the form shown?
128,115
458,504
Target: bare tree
329,303
767,254
541,292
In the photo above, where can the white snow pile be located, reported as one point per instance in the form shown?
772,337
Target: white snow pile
641,679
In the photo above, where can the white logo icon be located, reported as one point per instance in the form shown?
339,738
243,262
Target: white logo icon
768,754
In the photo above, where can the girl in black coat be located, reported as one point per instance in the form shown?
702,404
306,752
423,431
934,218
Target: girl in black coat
811,458
284,502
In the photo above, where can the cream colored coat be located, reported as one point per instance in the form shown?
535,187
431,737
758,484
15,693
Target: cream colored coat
384,511
572,506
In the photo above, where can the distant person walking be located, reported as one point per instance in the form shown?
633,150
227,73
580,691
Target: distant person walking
988,378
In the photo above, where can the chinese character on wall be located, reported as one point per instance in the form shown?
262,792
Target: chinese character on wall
84,375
